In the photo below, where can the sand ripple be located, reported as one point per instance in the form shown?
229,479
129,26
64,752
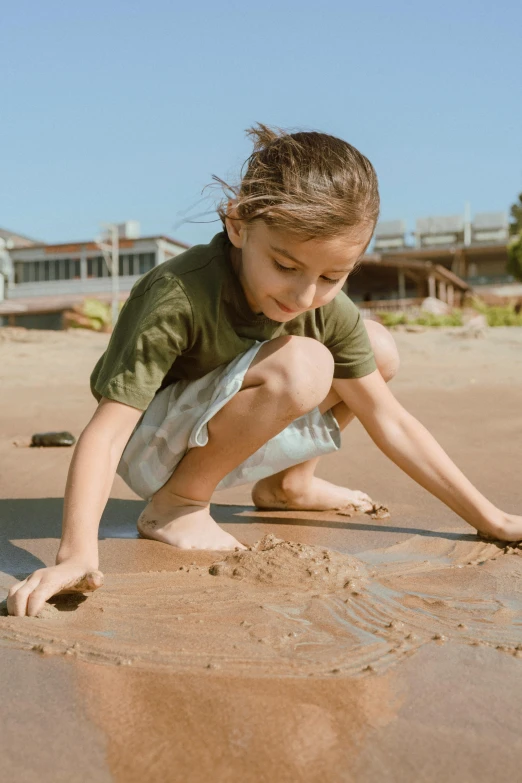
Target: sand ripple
289,609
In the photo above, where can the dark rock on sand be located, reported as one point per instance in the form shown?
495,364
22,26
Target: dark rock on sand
53,439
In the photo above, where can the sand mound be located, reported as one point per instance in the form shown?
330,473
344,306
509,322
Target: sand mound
275,562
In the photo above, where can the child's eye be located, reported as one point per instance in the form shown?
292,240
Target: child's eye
283,268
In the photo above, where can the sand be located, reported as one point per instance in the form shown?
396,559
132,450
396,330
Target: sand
334,648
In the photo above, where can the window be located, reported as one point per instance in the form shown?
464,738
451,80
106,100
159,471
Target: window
50,270
146,262
129,264
47,270
134,264
96,267
68,268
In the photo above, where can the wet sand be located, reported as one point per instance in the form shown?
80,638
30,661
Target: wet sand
339,648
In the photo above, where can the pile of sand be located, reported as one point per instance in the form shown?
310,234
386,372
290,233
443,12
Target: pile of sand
273,561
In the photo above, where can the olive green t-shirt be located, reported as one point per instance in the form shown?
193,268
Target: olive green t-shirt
190,315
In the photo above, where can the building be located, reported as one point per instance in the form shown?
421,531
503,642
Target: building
449,257
389,283
79,267
49,279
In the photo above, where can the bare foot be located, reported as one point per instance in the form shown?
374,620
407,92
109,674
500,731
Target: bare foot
318,495
184,526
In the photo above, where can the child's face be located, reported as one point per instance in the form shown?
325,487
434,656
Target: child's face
282,276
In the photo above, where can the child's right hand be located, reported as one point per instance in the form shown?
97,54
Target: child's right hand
70,576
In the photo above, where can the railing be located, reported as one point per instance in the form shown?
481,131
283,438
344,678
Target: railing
369,309
490,279
89,287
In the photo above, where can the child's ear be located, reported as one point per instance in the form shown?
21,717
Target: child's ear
234,224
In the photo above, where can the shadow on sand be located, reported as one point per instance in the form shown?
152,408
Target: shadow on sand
40,518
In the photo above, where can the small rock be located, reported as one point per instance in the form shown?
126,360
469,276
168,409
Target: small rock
435,306
45,649
53,439
415,328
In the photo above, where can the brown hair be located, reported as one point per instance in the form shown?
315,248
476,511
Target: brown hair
309,183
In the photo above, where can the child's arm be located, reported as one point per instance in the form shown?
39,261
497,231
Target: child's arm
411,447
91,474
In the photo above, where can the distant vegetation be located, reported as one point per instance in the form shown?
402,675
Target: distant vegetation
426,319
515,227
499,315
95,315
496,315
514,264
90,314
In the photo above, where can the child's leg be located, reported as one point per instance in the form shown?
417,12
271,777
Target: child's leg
297,487
289,377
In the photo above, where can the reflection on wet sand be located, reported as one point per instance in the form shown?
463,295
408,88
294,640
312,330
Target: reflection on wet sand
163,726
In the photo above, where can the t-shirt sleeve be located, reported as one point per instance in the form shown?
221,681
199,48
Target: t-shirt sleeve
348,340
154,327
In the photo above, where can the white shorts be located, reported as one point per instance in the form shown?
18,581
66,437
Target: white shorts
177,418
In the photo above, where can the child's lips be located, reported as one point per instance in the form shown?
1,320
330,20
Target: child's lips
284,308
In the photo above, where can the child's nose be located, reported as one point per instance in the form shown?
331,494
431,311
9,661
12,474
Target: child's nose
304,297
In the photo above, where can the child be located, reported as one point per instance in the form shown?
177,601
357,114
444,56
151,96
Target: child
242,360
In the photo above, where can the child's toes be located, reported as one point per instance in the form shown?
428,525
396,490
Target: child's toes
230,543
362,497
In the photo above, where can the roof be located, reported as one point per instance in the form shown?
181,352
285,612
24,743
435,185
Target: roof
444,253
28,252
19,240
70,247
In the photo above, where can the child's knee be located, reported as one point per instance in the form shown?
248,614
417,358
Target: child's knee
384,349
302,370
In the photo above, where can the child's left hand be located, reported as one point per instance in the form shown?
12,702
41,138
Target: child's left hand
510,529
413,449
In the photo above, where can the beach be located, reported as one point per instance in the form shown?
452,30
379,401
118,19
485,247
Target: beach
337,647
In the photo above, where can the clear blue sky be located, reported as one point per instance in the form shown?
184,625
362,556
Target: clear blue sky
120,109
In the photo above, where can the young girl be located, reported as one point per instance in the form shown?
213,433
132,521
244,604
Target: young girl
242,360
